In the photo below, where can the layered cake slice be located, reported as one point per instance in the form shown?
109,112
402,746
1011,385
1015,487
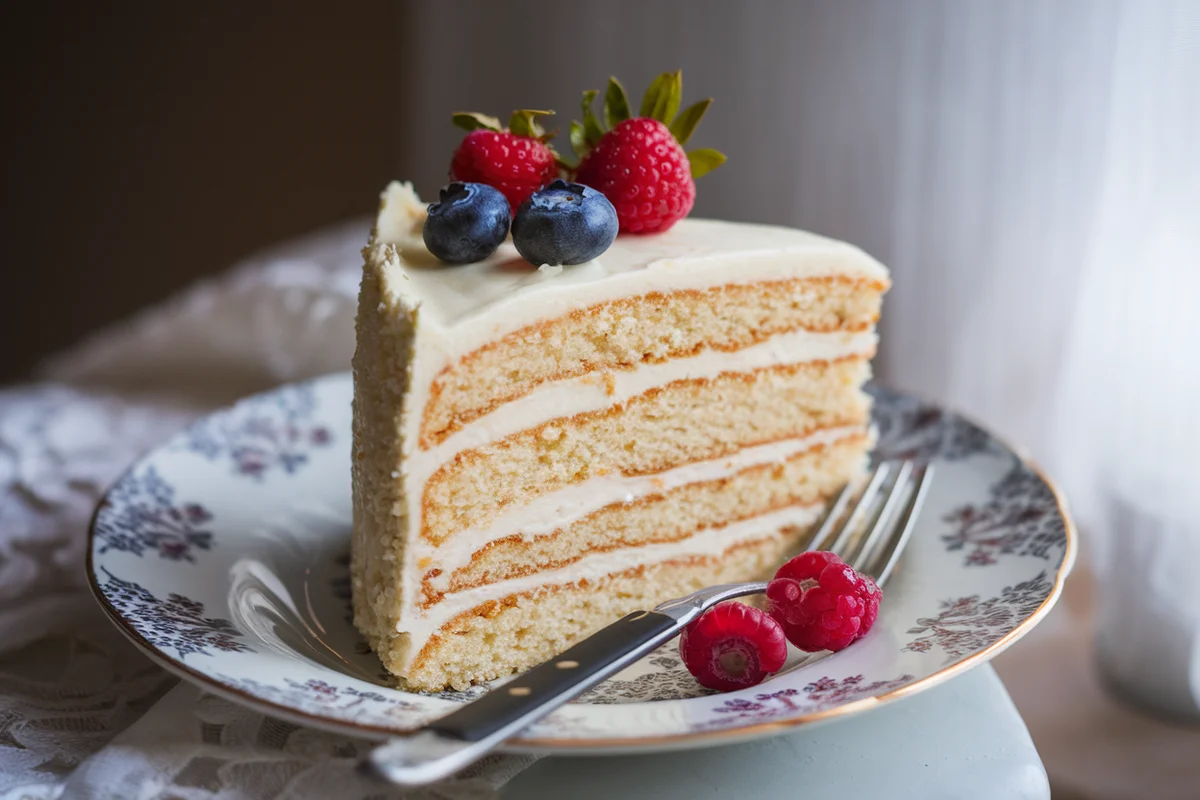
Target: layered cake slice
538,451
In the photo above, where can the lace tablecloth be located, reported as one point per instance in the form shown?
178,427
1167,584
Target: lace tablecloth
84,715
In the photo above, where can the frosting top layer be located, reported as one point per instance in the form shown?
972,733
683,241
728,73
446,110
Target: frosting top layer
690,255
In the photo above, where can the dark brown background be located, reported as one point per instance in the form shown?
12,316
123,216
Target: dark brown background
149,144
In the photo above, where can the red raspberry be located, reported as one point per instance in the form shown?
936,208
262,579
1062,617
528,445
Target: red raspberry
822,603
516,165
644,172
732,646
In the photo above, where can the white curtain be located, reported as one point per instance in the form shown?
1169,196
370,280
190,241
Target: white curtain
1030,171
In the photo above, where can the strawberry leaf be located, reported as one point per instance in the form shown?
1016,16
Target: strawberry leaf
579,142
685,124
566,164
470,121
650,98
523,122
704,161
591,126
616,104
663,97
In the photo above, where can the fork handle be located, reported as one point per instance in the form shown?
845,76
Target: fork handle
554,682
446,745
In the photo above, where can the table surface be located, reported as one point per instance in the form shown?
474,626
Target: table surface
964,738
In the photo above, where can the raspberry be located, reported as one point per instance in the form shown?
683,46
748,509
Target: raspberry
822,603
644,172
516,165
732,646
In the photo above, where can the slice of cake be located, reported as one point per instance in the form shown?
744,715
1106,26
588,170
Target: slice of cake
538,452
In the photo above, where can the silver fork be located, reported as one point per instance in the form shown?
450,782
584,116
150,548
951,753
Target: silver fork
867,525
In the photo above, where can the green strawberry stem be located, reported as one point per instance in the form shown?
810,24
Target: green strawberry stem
616,104
683,126
662,99
523,122
470,121
704,161
661,102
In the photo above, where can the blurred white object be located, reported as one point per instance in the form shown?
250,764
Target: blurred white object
1128,416
1148,613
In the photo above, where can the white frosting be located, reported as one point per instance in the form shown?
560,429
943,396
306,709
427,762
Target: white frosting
560,508
713,541
558,399
457,309
468,305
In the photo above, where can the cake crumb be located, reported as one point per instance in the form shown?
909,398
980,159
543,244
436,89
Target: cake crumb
657,482
610,383
424,562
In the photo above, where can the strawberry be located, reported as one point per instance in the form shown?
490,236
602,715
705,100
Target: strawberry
516,160
639,162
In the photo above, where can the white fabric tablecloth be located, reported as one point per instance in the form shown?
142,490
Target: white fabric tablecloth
82,714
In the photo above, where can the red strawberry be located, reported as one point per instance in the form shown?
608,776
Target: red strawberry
516,160
639,163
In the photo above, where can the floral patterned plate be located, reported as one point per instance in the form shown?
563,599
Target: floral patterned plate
224,555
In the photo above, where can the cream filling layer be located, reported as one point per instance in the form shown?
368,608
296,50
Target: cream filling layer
597,391
714,541
593,392
561,508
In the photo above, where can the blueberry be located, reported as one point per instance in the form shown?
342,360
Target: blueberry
467,224
565,223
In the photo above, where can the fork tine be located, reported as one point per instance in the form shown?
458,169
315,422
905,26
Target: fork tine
846,533
906,523
883,524
832,516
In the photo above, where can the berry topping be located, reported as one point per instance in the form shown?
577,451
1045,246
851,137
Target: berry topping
732,646
822,603
516,160
565,223
467,224
639,162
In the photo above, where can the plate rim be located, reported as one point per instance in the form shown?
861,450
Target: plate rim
598,745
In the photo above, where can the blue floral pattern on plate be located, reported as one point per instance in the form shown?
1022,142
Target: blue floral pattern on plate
141,516
174,623
224,554
274,431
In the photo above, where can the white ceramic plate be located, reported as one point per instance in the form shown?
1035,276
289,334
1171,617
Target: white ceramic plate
224,555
